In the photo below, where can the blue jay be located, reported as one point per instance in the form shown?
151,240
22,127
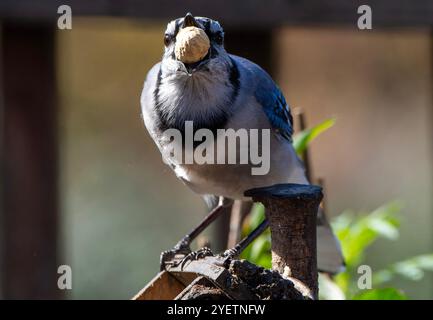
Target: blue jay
225,91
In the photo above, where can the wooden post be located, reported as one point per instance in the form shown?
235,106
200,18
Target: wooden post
292,213
301,119
240,210
29,162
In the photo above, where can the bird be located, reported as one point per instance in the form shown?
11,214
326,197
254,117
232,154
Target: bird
224,91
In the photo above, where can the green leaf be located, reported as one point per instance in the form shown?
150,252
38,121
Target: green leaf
381,294
382,276
357,234
328,289
258,251
424,261
259,247
412,269
256,217
409,270
383,228
303,139
265,261
344,280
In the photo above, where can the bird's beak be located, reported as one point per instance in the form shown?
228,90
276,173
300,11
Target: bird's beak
192,67
189,21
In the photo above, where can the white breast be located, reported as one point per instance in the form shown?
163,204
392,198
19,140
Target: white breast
231,180
193,97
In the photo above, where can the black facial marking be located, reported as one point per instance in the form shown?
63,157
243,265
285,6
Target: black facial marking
207,27
176,27
234,80
214,122
158,84
216,36
158,107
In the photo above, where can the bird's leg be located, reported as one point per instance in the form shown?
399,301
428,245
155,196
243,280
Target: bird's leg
182,247
237,249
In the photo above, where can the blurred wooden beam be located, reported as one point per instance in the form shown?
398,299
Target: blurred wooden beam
240,210
29,162
240,13
301,119
431,110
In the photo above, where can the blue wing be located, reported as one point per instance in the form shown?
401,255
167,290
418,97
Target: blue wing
275,107
269,96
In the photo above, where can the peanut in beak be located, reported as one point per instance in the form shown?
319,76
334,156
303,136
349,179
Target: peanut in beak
192,45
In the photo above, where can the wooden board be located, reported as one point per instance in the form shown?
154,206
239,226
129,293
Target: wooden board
163,287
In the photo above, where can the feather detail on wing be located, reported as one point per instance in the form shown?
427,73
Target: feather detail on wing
275,107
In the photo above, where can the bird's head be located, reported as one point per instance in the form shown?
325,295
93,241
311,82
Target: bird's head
194,45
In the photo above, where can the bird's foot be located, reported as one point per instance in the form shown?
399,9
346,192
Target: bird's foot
167,257
234,252
230,254
195,255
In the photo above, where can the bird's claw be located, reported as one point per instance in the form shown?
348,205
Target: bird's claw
195,255
229,254
182,247
164,257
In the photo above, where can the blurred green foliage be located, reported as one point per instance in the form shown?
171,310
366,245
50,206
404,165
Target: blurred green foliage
259,251
304,138
356,232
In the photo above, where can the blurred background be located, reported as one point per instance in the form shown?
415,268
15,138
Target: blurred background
83,184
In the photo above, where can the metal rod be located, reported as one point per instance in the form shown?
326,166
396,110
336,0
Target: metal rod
211,216
237,249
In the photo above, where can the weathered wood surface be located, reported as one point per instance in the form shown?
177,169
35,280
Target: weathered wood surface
213,269
163,287
202,289
208,279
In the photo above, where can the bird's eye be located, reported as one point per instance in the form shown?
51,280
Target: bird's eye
167,39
